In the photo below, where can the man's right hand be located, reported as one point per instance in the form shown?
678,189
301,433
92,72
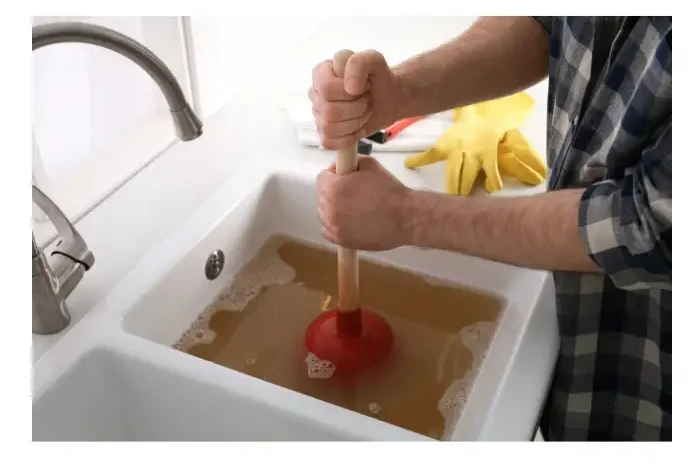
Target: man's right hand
365,100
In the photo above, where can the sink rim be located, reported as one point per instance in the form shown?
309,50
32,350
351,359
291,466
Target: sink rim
127,348
156,266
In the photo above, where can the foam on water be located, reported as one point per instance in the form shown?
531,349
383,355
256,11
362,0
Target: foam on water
318,368
452,402
198,333
476,338
265,270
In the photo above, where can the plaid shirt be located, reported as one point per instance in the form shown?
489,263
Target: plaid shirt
610,133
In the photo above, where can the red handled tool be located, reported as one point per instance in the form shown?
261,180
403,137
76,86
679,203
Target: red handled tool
394,129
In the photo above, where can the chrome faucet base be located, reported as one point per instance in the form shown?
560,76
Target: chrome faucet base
51,286
49,312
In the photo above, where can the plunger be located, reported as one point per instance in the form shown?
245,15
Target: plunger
354,339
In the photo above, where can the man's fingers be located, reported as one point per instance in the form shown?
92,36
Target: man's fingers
327,85
339,129
327,225
324,178
337,111
334,144
358,70
328,235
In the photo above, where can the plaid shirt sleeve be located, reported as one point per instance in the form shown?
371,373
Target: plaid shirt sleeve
626,223
625,220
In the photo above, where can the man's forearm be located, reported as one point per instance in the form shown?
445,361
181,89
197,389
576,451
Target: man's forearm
537,232
495,57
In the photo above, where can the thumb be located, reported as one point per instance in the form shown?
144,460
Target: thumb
359,68
326,176
367,163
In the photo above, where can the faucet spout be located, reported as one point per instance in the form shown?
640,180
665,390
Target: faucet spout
187,124
51,286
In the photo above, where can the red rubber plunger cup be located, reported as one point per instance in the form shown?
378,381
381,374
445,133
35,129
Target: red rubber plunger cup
353,339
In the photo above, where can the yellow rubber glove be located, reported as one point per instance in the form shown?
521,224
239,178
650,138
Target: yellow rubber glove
517,157
485,135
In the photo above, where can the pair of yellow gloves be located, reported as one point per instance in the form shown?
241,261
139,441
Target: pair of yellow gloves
486,135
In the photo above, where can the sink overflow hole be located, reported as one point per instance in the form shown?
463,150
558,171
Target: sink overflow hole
214,264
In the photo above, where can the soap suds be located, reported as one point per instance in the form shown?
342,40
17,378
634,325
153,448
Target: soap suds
476,338
318,368
251,280
265,270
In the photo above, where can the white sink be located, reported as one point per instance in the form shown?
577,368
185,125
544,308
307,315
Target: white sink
108,395
116,377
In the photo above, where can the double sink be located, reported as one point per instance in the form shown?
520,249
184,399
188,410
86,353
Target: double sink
116,377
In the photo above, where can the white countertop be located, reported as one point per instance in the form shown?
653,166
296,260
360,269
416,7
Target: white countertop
251,129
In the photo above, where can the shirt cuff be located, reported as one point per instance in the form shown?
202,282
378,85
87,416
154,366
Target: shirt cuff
627,238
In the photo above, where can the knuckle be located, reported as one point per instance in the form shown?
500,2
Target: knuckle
321,188
323,87
319,105
327,142
365,119
317,68
340,232
322,127
315,104
373,56
364,103
331,221
322,70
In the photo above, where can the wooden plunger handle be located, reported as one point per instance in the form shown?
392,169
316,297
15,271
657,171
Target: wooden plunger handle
346,163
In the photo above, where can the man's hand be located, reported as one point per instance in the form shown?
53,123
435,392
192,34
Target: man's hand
365,210
366,100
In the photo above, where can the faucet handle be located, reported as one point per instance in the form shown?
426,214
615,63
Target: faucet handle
73,255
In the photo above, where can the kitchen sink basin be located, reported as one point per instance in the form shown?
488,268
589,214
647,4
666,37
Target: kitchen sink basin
128,383
108,395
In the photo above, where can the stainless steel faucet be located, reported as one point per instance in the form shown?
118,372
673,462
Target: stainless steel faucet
51,286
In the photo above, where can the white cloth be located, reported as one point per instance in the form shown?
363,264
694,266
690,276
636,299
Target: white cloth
418,137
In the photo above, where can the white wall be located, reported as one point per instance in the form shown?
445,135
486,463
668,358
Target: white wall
85,97
231,53
97,117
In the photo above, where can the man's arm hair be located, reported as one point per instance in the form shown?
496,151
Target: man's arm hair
495,57
537,232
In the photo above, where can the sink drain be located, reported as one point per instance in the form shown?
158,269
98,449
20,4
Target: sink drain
214,264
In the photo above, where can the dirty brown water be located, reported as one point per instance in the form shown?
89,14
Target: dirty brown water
257,326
